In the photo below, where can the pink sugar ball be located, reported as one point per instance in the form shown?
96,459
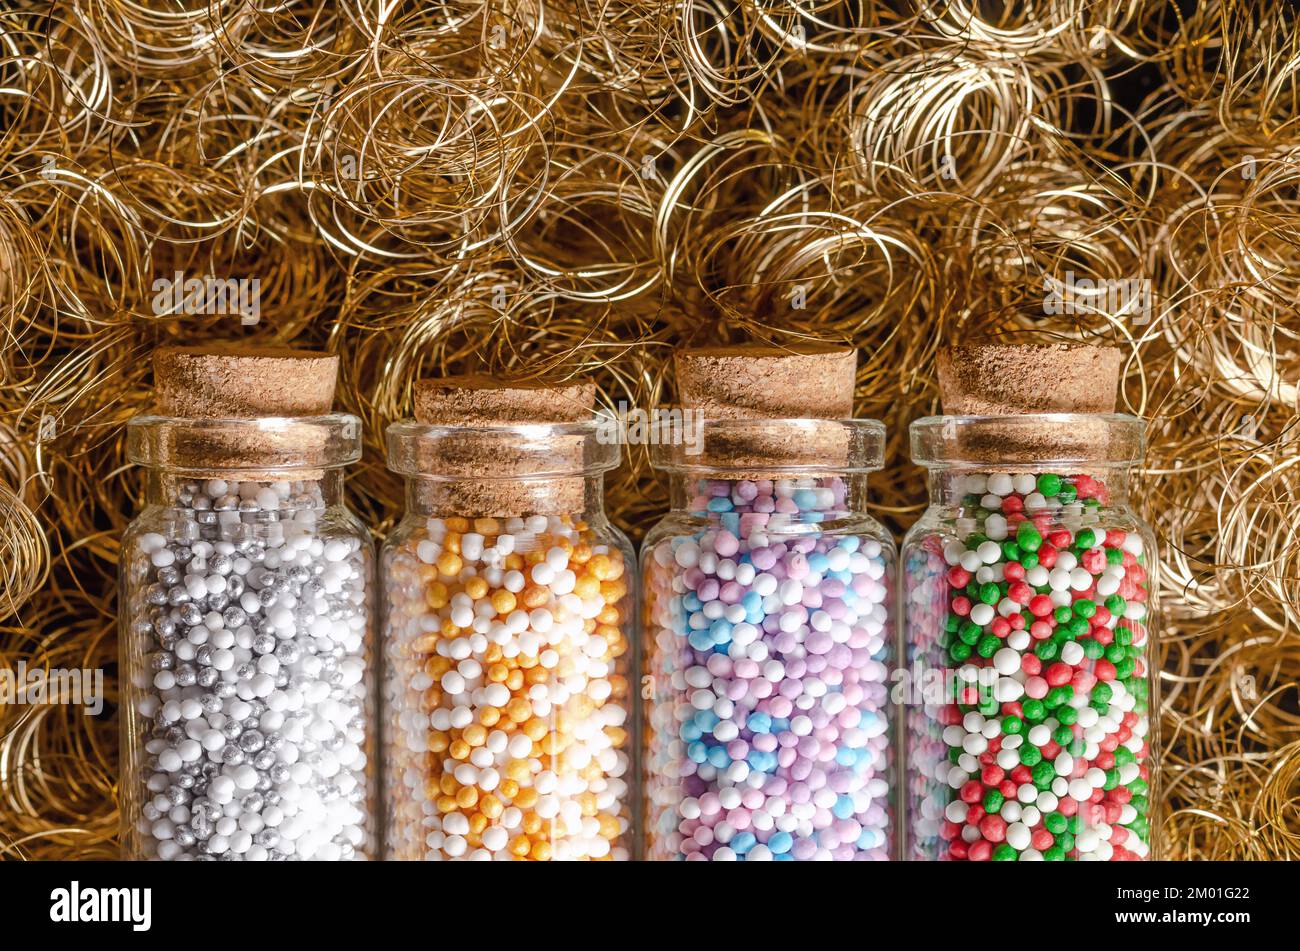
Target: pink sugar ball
719,665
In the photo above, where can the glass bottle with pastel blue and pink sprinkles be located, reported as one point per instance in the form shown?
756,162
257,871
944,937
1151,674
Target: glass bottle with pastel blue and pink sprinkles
767,635
1028,605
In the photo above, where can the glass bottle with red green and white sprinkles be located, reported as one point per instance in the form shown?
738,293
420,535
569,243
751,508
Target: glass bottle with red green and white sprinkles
1027,588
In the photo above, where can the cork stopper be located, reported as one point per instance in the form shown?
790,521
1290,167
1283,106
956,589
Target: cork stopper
1015,380
477,400
1002,380
754,381
480,473
231,382
757,382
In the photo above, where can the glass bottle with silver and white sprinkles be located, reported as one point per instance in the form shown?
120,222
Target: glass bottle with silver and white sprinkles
253,700
245,606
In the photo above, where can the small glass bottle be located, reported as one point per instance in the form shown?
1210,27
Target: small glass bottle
1028,588
245,617
767,633
508,635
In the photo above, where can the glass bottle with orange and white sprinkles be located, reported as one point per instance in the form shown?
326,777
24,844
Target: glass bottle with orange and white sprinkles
507,638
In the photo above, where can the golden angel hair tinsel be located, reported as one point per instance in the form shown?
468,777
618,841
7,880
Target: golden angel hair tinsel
574,187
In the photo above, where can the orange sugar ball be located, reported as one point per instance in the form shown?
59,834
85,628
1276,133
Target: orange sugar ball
541,852
518,709
451,543
457,524
467,797
476,588
609,825
587,587
437,665
436,595
474,734
491,807
600,567
521,846
503,601
459,749
450,564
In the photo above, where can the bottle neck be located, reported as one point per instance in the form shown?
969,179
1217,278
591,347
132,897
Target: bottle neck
826,496
983,486
580,497
225,492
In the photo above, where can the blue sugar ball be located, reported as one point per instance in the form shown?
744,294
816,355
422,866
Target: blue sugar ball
742,842
759,723
706,720
720,631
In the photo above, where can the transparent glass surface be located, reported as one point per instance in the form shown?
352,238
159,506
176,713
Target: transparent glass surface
767,649
509,648
247,669
1027,592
